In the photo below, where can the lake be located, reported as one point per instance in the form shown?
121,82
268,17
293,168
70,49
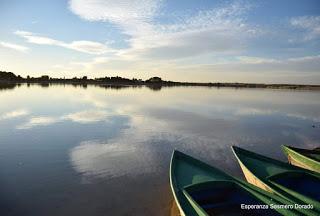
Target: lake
90,150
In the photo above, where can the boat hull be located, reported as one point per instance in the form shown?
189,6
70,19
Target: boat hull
297,158
267,174
252,179
189,177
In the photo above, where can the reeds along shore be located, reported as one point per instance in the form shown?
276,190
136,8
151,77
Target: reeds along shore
9,79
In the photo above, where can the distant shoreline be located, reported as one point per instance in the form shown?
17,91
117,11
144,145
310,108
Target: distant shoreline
172,84
8,78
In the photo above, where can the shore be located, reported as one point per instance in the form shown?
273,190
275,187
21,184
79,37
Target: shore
9,79
157,85
174,211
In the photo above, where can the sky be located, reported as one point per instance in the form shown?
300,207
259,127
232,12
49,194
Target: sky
183,40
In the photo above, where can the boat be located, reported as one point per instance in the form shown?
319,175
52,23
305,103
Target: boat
290,182
200,190
305,158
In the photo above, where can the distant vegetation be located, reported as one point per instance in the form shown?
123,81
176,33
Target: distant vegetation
155,83
7,77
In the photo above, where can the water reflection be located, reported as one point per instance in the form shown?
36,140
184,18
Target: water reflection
82,117
10,86
37,121
14,114
90,150
87,116
139,150
142,147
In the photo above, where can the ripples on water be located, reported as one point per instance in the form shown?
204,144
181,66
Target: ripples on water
68,150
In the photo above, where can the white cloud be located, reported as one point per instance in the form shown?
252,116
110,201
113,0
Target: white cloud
134,17
14,114
254,60
119,11
36,39
23,33
14,46
311,25
220,30
90,47
305,59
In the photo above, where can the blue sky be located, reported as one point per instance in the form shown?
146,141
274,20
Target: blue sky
191,40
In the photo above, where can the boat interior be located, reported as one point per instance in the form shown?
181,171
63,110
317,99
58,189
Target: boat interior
301,182
225,199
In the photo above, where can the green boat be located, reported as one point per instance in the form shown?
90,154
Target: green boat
307,159
200,190
298,185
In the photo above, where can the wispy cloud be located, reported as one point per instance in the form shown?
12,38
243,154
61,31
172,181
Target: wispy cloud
90,47
237,68
222,29
14,114
310,24
298,60
14,46
251,63
120,11
156,37
254,60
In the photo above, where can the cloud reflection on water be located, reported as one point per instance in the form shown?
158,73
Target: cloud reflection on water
188,123
38,121
152,134
82,117
14,114
99,148
142,149
87,116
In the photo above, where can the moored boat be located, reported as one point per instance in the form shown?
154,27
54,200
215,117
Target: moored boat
293,183
200,189
307,159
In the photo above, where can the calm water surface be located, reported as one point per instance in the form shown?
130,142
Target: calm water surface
68,150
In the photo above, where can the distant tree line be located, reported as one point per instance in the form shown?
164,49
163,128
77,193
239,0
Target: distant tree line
11,77
154,83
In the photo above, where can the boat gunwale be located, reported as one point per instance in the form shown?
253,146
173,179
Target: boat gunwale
173,182
193,202
260,157
176,155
